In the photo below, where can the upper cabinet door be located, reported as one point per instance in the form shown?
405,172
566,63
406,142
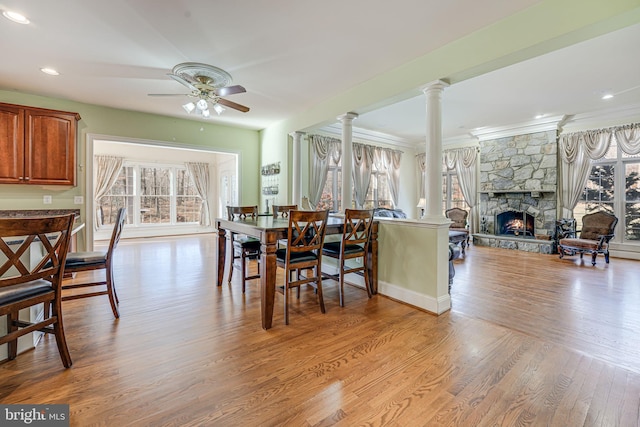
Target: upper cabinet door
11,145
50,147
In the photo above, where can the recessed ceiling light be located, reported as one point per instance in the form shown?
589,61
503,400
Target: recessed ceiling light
607,96
50,71
15,17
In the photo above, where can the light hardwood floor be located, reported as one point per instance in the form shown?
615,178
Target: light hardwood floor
530,340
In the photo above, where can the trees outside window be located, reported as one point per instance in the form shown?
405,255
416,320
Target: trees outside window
153,195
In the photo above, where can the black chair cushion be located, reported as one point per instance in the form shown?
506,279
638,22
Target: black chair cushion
246,242
85,258
281,255
9,294
333,248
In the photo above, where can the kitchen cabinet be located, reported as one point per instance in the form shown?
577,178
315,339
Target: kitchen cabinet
37,146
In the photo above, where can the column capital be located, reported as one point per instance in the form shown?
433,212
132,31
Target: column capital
347,117
297,134
434,85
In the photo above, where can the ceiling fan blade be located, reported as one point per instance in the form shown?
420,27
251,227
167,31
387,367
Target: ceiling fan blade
233,105
166,94
182,81
229,90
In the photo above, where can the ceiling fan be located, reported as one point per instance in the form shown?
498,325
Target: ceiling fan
208,84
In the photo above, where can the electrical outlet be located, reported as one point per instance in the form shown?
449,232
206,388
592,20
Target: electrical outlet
47,200
78,200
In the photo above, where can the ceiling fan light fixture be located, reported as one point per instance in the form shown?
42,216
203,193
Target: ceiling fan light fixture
189,107
206,114
219,108
50,71
15,17
202,105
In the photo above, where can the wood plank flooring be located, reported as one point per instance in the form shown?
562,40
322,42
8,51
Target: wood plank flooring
531,340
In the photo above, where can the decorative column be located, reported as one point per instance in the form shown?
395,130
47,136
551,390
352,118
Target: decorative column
347,158
433,177
296,196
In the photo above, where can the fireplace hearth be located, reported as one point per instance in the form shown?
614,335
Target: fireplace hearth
515,223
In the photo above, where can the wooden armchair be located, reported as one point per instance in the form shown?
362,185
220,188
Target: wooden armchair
597,230
459,218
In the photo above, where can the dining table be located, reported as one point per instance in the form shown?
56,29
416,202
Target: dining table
269,230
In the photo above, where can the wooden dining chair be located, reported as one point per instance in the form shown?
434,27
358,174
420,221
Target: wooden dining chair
77,262
305,237
354,244
282,211
243,247
32,263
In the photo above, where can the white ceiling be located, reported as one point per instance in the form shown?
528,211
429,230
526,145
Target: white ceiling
291,55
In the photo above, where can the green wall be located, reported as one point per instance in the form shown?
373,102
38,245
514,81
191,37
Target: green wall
131,124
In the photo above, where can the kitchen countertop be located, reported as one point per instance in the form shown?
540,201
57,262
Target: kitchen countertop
30,213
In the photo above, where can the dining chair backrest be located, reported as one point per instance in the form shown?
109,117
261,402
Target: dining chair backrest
357,227
306,232
77,262
241,212
356,235
243,247
283,210
32,266
121,218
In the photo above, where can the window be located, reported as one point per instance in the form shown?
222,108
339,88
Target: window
153,195
614,186
451,193
378,194
331,197
120,195
188,202
632,201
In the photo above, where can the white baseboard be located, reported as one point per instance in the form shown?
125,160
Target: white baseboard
415,299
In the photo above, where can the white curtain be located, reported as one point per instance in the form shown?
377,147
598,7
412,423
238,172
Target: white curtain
628,138
392,166
577,150
362,164
323,148
107,171
202,180
421,163
464,161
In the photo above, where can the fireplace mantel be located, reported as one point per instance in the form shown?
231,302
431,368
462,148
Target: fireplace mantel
534,193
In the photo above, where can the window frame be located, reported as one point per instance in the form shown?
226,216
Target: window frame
619,160
134,208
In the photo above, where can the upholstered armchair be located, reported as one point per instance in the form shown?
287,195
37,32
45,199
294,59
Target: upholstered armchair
459,218
597,230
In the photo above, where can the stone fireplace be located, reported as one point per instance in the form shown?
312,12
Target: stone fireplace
518,201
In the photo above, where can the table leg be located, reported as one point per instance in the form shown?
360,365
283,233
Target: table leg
268,267
222,250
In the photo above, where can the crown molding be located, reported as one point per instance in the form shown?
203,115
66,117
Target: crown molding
611,117
540,125
369,135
